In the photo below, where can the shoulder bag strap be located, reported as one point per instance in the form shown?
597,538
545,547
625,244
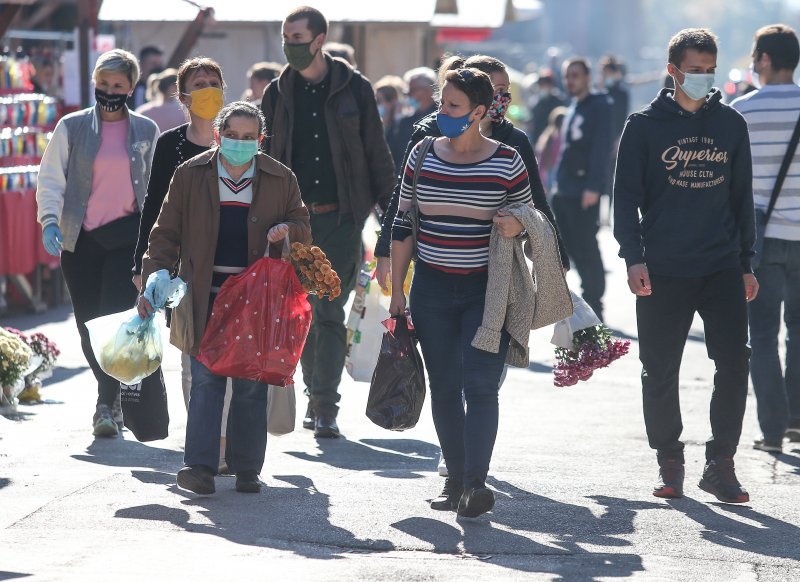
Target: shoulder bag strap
787,161
424,148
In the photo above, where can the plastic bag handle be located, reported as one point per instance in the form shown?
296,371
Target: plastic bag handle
286,251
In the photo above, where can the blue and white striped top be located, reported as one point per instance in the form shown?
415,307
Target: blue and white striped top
771,115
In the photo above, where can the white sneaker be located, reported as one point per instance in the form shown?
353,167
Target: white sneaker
442,466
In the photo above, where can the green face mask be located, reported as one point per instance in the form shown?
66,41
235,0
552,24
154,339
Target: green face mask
238,151
298,55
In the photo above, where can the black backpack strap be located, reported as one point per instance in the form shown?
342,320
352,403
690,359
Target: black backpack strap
787,161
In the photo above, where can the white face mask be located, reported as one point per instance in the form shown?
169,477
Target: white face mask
696,85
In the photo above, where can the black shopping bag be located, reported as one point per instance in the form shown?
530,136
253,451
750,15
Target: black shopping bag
144,408
397,391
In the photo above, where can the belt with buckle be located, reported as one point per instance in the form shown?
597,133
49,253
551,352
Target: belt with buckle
315,208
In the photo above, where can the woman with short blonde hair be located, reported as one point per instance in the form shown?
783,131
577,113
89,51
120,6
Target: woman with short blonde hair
92,184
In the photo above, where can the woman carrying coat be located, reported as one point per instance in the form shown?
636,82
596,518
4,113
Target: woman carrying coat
92,185
222,209
464,181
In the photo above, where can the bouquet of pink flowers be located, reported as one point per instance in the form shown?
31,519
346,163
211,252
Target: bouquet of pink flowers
583,345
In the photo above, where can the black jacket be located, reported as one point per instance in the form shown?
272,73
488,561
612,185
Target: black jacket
690,176
587,146
505,133
361,159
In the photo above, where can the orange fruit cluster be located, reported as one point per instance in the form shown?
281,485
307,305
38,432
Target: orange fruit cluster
315,272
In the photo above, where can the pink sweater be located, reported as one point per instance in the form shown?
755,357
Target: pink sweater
112,195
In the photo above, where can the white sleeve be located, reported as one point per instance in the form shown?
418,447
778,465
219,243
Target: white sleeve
52,181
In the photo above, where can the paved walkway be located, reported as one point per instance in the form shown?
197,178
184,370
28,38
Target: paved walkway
572,472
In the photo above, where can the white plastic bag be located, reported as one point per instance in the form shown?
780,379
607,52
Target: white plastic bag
127,347
582,317
365,332
281,409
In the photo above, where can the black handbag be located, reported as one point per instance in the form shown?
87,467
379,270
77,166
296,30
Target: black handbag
397,390
118,234
144,408
762,217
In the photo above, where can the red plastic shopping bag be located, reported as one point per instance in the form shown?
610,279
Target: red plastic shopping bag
259,324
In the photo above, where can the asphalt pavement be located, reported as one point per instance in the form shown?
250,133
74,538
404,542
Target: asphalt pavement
572,473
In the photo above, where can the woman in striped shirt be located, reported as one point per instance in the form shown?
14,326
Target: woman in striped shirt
464,181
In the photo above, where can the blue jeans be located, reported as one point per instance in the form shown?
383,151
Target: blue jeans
777,388
447,310
247,422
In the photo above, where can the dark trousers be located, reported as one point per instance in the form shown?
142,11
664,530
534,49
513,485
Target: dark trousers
99,283
246,436
447,310
578,228
322,360
777,387
664,319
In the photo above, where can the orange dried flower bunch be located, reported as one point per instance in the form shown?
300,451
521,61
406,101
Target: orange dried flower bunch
315,272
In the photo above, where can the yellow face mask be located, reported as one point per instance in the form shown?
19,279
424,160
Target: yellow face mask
206,103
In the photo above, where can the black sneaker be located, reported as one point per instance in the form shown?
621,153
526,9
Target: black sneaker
475,501
719,479
768,446
449,497
248,482
197,479
103,424
670,479
308,419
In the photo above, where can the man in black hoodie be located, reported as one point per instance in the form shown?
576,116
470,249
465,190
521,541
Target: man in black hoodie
684,165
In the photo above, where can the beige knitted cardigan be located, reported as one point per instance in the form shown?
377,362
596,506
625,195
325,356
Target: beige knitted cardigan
519,300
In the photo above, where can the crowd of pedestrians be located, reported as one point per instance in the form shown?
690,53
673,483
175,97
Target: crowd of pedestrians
185,183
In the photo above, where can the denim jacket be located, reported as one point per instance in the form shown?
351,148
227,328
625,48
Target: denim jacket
65,175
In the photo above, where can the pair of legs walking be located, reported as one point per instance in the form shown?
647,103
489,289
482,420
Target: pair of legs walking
322,361
246,433
99,283
447,311
777,387
578,227
664,319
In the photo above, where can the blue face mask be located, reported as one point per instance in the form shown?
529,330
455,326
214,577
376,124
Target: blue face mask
412,103
381,110
696,85
238,151
453,126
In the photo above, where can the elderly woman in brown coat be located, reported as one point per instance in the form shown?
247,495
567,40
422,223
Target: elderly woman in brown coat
222,209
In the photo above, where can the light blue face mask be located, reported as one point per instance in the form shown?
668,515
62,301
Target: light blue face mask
696,85
238,151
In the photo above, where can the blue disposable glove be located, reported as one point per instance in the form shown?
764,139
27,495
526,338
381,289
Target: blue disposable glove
52,239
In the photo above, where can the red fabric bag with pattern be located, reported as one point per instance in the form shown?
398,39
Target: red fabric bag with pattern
258,325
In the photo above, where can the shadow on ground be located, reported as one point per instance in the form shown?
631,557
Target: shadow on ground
392,458
13,575
767,536
127,452
293,516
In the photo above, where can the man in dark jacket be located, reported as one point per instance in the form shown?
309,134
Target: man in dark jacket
684,165
581,177
323,123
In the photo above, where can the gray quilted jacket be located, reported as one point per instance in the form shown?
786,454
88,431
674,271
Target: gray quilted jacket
519,300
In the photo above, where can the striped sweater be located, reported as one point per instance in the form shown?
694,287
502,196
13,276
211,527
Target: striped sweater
456,205
771,115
